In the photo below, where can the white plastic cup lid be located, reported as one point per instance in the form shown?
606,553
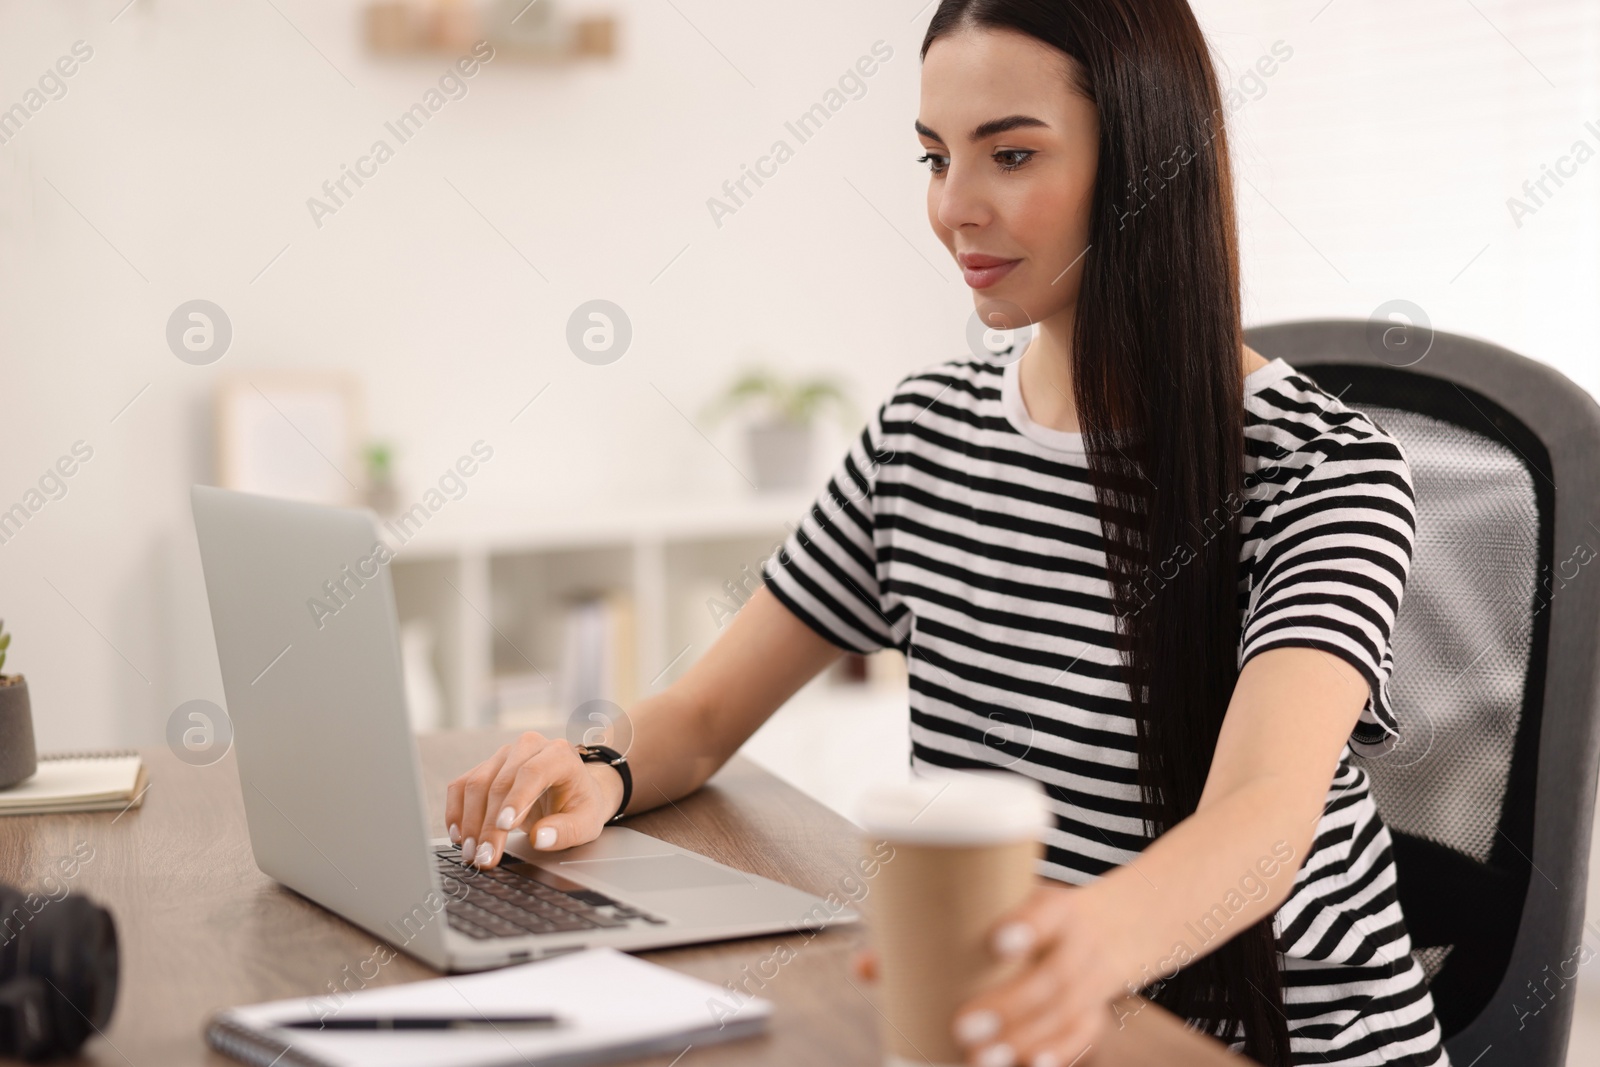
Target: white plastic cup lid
958,808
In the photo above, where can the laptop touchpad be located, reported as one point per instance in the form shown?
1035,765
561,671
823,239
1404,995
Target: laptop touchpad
643,873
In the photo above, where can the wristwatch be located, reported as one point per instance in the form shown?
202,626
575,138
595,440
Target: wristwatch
607,754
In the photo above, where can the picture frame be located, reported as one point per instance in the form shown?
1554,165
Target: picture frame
294,434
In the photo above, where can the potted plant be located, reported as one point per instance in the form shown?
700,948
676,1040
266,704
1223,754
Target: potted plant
18,757
382,496
780,434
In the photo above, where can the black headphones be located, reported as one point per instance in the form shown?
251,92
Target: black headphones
58,972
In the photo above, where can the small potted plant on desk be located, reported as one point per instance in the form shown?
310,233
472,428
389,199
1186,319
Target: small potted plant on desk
18,757
781,436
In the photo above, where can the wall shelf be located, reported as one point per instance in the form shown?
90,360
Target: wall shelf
493,586
522,30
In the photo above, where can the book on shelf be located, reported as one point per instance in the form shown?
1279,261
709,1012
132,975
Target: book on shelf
598,661
598,652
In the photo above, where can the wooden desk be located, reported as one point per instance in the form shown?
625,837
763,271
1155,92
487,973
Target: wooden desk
200,928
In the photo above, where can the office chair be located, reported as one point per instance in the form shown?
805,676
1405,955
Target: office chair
1490,791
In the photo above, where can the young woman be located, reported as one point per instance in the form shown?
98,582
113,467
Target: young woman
1140,564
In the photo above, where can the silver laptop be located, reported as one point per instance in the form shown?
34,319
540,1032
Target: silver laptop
333,793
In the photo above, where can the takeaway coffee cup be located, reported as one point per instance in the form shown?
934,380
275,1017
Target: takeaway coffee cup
965,847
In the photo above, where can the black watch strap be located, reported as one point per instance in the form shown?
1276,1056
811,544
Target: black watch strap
607,754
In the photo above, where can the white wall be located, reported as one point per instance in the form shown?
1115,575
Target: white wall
179,162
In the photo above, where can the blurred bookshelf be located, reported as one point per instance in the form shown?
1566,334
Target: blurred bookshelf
525,620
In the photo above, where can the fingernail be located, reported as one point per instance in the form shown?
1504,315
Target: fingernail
1045,1059
455,834
1000,1055
976,1026
484,854
466,847
545,837
1013,939
508,818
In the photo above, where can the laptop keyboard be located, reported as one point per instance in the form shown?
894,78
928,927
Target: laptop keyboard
516,899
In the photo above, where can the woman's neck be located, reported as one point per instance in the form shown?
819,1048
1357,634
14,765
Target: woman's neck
1044,375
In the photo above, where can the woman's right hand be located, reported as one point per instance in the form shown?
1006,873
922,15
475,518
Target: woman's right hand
501,794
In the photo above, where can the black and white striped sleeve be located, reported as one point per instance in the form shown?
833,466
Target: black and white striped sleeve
826,571
1331,567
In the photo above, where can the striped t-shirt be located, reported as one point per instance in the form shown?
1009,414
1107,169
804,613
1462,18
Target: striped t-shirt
961,532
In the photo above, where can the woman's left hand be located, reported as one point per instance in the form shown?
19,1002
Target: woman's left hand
1058,1003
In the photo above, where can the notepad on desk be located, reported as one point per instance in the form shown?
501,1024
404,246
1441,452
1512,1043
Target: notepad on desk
82,781
611,1006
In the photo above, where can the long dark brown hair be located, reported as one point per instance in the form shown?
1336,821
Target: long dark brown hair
1156,353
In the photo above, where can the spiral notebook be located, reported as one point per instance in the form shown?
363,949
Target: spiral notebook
79,781
613,1006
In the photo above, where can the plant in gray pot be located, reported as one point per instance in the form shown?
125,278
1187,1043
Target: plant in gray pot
781,433
18,758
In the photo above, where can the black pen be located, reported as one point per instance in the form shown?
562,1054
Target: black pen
426,1022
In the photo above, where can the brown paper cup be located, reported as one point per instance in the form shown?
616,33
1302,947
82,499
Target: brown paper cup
966,845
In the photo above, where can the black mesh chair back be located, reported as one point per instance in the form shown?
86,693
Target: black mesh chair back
1490,792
